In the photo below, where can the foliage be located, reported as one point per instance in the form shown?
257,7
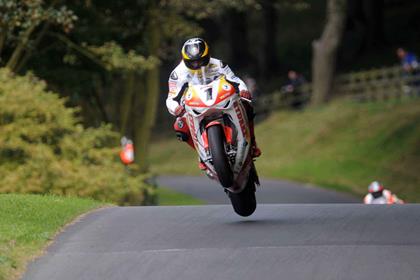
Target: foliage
43,149
21,15
205,9
28,222
19,21
116,59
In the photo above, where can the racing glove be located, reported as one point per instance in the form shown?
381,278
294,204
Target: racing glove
245,94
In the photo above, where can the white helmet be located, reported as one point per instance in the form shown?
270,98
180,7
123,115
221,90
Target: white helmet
375,187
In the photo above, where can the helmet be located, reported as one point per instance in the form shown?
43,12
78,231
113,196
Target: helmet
375,187
195,53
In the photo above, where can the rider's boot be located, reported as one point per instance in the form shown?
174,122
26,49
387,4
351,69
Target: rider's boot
256,152
201,165
183,131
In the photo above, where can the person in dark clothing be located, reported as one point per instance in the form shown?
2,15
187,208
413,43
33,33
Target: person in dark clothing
411,70
409,61
292,88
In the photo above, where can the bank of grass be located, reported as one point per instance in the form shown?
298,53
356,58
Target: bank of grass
344,145
29,222
167,197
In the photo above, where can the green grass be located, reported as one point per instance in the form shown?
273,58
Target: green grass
29,222
343,145
169,197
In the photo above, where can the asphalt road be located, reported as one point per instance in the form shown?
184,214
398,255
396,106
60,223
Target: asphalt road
289,241
271,191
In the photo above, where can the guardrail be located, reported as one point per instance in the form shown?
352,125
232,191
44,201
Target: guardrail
372,85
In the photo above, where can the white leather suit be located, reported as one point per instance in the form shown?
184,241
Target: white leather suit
182,75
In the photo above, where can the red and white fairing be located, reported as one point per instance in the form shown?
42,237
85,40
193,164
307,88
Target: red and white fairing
218,103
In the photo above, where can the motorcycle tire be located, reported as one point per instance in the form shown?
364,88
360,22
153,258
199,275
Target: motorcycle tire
220,161
244,203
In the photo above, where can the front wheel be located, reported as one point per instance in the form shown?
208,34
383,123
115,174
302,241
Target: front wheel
220,161
244,203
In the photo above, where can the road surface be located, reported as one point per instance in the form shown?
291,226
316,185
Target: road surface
271,191
289,241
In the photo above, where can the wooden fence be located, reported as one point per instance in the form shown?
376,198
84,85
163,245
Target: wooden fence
372,85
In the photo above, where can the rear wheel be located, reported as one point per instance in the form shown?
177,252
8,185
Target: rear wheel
244,203
220,161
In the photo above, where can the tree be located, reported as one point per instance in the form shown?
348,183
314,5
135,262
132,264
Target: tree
111,59
19,27
325,51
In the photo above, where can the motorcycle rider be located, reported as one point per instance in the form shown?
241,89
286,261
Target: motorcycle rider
197,67
379,195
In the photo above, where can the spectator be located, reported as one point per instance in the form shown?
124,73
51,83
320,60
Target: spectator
409,61
379,195
411,69
295,81
251,83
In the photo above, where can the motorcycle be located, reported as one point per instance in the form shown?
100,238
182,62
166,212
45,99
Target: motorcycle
218,123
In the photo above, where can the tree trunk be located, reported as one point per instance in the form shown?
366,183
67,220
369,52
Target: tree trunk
325,52
143,127
270,47
256,44
3,35
20,48
126,102
97,92
35,44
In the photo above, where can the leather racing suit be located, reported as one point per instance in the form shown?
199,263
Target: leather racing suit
178,83
181,75
383,197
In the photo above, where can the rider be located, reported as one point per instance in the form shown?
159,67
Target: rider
379,195
198,67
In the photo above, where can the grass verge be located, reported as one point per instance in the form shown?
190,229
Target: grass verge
169,197
343,145
29,222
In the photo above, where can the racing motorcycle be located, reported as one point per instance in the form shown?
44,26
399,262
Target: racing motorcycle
218,123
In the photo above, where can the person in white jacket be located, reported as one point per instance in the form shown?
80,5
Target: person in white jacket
379,195
197,67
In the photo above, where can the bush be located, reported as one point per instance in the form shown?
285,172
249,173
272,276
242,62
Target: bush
43,148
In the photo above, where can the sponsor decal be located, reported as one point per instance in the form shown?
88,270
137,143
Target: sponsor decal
174,76
224,96
240,118
172,88
180,123
226,87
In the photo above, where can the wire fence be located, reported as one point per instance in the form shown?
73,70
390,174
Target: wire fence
364,86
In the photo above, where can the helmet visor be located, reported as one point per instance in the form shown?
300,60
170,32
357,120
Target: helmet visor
197,63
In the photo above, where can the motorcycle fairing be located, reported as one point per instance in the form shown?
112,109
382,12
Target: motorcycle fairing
218,104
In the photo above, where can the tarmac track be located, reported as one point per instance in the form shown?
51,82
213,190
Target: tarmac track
271,191
279,241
